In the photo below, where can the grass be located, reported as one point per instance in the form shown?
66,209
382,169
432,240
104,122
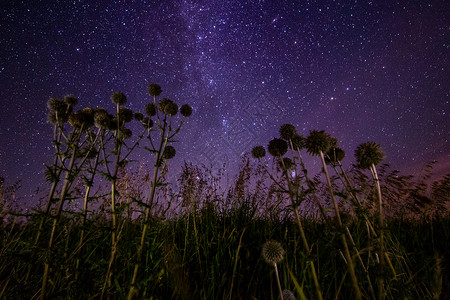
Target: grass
229,248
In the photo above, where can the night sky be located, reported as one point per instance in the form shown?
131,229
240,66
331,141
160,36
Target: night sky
360,70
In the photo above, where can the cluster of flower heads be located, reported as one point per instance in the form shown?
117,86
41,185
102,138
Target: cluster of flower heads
61,111
316,143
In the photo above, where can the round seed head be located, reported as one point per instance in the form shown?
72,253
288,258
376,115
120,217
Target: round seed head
258,152
147,122
118,98
113,124
150,109
272,252
126,133
288,163
287,295
171,109
154,89
125,114
334,155
162,104
169,152
277,147
138,116
298,142
75,120
71,100
102,119
56,104
316,142
87,117
369,153
334,142
185,110
287,131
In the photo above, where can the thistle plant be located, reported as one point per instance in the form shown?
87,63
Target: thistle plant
116,126
368,155
165,111
318,143
278,147
273,254
80,136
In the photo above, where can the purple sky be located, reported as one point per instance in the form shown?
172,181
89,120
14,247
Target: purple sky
360,70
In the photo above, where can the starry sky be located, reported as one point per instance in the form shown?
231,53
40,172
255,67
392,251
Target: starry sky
360,70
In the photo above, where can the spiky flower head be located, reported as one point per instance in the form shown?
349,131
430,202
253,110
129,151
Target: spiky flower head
147,122
258,152
126,133
298,142
125,114
113,124
185,110
287,131
71,100
171,108
154,89
369,153
169,152
277,147
287,162
138,116
57,105
118,98
316,142
82,119
162,104
272,252
287,295
150,109
102,119
334,142
334,155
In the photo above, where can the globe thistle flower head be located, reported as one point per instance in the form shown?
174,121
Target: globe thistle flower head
87,117
277,147
185,110
150,109
369,153
118,98
334,142
162,104
75,120
287,131
126,133
102,119
287,295
71,100
56,104
258,152
334,155
169,152
316,142
272,252
113,124
138,116
125,114
154,89
287,162
171,109
298,142
147,122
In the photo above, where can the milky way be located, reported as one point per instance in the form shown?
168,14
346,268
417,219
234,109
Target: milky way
361,71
